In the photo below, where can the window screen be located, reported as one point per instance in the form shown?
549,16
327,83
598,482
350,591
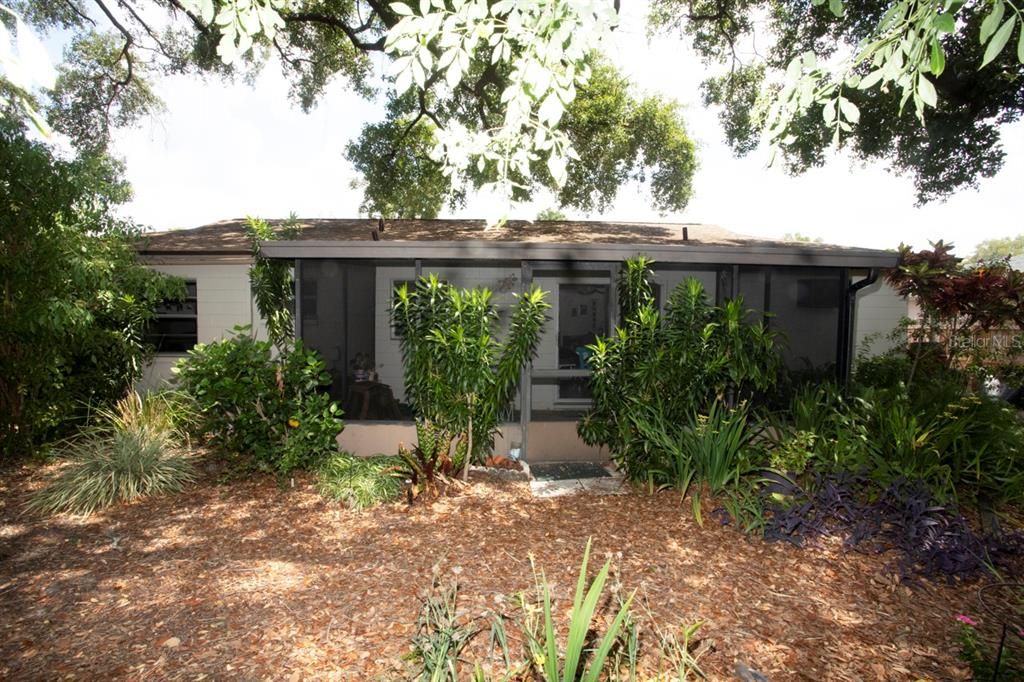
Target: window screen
176,329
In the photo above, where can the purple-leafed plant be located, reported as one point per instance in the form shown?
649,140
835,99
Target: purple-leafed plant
932,540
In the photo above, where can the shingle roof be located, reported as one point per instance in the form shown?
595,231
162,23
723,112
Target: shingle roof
229,236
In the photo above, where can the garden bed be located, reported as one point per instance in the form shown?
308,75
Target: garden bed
250,580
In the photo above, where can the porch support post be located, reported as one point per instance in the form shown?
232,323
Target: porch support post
297,303
614,271
525,377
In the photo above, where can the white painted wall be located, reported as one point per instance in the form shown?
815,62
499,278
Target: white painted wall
224,301
879,310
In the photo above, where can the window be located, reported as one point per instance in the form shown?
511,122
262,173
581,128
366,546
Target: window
582,317
175,329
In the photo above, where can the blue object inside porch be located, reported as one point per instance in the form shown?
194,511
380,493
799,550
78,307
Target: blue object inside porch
567,471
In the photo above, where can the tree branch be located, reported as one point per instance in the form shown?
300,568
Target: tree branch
126,55
333,22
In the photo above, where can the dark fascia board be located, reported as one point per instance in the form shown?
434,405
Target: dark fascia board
813,256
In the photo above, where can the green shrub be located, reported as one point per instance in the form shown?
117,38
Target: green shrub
130,452
359,482
672,367
965,447
275,411
793,453
970,449
75,302
458,376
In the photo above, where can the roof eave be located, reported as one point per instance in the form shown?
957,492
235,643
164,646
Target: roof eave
706,254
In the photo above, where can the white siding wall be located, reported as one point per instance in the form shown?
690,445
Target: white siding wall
879,311
224,301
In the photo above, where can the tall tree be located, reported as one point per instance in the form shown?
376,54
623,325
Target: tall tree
991,249
493,84
618,136
74,304
117,48
923,86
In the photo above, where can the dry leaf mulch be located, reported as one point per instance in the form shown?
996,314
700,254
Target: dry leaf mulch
252,581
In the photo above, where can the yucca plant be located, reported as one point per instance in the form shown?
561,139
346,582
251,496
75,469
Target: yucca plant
113,464
575,661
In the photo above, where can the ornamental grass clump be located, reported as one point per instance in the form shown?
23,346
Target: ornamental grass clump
130,452
360,482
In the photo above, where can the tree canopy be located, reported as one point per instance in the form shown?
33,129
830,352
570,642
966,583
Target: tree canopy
74,303
116,50
992,249
946,61
514,92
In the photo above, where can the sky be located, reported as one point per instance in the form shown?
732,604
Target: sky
223,151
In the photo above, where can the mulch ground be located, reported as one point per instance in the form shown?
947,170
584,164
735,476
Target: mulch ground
253,581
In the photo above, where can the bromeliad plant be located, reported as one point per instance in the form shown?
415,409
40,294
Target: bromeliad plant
458,376
671,368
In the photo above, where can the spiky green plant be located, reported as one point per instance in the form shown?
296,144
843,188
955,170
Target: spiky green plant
441,635
431,460
569,663
360,482
115,465
128,451
458,376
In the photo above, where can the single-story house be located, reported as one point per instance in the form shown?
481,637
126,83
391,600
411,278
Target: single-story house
826,300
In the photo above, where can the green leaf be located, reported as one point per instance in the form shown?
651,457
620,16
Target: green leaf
610,637
938,58
837,7
927,92
988,27
1020,46
999,40
944,23
850,111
